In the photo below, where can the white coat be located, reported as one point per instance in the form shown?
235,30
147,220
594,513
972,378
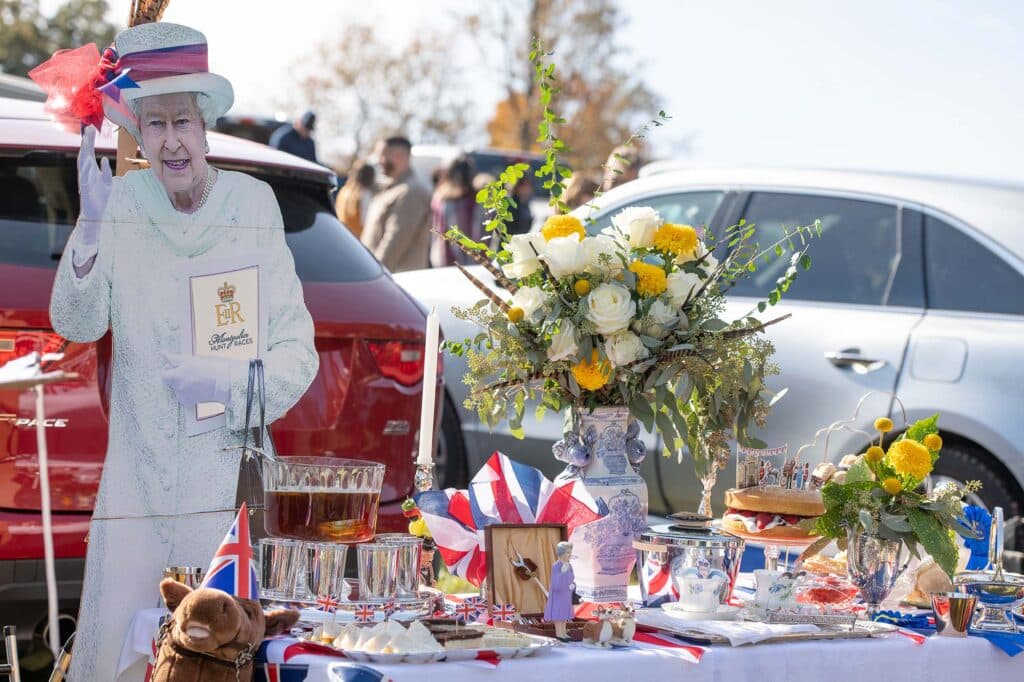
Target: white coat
166,498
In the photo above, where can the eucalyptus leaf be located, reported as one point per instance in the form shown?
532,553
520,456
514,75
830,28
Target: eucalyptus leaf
897,522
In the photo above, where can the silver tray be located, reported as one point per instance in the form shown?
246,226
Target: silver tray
407,608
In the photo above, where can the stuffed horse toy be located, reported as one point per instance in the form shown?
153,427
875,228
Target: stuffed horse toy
211,635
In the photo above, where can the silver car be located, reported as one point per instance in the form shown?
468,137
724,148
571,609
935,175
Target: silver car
916,288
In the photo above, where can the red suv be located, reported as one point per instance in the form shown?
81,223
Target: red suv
364,403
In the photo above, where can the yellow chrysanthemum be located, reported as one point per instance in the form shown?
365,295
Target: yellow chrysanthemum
910,458
933,442
516,314
650,279
677,239
875,454
562,226
892,485
883,425
582,287
592,374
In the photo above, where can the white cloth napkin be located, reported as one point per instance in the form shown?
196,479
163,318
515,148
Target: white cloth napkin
738,632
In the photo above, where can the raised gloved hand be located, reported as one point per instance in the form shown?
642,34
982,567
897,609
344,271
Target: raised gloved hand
198,379
94,187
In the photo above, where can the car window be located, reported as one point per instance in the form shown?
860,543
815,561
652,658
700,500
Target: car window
963,274
324,249
684,208
854,261
38,206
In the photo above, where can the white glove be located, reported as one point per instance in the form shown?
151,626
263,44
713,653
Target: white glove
94,187
197,378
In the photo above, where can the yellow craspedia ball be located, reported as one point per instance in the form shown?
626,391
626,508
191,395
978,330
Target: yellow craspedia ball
592,374
933,442
562,226
582,287
910,458
892,485
650,279
883,425
874,454
680,240
516,314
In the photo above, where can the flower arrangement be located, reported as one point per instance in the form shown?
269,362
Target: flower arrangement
630,316
880,496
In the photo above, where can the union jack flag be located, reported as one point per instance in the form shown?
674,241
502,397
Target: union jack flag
657,579
233,569
503,491
505,612
465,612
479,605
364,613
327,603
389,607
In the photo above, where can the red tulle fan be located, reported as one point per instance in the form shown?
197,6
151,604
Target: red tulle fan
70,78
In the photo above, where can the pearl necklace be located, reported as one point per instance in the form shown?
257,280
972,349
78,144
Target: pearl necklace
206,188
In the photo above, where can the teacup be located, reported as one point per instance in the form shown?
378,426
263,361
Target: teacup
700,595
773,590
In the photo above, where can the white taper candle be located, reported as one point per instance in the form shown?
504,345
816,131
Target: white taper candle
426,453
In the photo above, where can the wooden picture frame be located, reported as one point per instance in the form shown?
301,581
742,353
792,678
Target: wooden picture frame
534,541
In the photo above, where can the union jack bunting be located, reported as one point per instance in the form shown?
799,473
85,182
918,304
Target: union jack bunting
327,603
506,612
503,491
233,569
465,613
364,613
389,607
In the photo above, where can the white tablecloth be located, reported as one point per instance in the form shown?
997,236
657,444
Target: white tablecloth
893,658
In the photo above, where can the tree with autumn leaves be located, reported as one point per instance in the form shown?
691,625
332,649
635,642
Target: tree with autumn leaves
363,86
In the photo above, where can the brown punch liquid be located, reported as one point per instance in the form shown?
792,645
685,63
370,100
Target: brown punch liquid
321,516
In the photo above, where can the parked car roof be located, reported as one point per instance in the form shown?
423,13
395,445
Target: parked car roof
992,207
31,134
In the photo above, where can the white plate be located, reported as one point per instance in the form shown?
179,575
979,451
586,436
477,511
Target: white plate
536,644
724,612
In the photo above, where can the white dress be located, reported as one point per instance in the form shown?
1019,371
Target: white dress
166,498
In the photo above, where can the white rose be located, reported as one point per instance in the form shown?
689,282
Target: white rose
596,247
683,285
659,317
530,299
564,256
563,344
638,225
624,348
610,308
524,259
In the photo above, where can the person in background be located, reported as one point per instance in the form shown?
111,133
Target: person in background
522,216
454,203
481,180
580,190
397,228
353,200
623,165
297,137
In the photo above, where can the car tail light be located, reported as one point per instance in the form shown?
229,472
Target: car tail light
18,344
399,360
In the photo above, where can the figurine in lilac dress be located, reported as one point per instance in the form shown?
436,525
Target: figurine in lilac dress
558,609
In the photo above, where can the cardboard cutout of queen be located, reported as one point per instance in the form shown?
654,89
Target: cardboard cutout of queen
164,257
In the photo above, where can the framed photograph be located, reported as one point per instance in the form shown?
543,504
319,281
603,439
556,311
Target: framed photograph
519,561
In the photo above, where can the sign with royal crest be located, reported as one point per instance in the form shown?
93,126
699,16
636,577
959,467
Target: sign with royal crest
225,316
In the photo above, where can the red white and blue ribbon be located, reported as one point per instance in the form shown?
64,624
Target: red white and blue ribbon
503,491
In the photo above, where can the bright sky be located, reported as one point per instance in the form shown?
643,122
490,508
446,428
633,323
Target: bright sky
930,86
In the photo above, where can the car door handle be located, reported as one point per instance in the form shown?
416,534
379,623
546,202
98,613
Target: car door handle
850,358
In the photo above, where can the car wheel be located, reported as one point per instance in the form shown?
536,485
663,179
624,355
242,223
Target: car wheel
450,466
960,463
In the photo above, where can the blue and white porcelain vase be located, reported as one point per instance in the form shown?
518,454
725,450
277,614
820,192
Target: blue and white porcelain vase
603,453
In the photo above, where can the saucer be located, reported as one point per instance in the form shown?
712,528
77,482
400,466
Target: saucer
724,612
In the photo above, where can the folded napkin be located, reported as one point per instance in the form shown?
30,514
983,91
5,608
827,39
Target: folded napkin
737,632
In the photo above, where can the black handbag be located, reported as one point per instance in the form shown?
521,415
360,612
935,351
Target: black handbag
250,468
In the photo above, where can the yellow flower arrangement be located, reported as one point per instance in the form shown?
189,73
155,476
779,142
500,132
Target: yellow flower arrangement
651,280
933,442
562,226
582,287
883,425
910,458
592,374
516,314
892,485
875,454
680,240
